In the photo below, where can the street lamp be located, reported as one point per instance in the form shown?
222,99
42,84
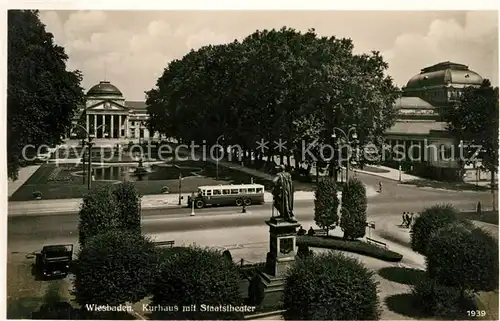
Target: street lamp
89,144
346,137
217,159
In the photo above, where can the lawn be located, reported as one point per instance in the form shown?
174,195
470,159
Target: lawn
57,182
456,186
356,246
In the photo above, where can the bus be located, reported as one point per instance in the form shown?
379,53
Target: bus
239,195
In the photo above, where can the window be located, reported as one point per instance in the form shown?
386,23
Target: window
217,191
260,190
234,191
209,192
251,190
243,190
225,192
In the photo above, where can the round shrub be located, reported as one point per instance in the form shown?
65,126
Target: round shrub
37,195
115,267
465,259
330,286
429,221
304,251
437,300
353,219
197,276
165,190
227,255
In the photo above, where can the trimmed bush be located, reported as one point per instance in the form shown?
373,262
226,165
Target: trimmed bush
129,204
115,267
98,213
37,195
330,286
353,219
356,246
227,255
197,276
465,259
428,222
438,300
326,204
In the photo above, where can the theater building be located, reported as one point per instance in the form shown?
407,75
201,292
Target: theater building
420,122
122,119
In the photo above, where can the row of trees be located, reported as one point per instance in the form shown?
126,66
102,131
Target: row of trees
353,210
42,96
274,84
461,261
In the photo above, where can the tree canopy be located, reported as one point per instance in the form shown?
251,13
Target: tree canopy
274,84
42,95
474,121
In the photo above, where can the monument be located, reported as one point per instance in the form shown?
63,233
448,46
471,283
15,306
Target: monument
282,241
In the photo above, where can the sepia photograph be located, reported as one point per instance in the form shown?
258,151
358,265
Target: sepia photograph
252,165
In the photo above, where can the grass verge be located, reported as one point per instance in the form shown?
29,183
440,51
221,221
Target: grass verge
458,186
359,247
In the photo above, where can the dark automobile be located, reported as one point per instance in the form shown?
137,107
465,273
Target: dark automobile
54,260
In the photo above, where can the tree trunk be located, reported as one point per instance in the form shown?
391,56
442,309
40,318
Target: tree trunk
492,183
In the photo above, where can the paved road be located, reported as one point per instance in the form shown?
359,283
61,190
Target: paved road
30,231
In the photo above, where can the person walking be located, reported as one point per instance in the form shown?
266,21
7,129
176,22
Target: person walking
404,219
380,187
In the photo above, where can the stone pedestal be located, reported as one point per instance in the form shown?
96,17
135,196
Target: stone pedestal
282,249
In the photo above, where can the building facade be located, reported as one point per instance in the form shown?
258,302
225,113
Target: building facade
420,130
108,115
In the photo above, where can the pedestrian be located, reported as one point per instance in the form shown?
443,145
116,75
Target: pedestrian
301,231
380,187
407,220
404,219
478,208
310,232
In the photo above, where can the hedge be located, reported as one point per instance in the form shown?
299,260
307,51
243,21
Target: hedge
356,246
115,267
196,276
353,212
428,222
463,258
326,204
330,286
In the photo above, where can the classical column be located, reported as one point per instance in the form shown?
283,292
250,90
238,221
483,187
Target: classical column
104,123
112,134
126,126
95,125
120,126
87,125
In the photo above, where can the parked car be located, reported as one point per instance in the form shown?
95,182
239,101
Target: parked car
54,260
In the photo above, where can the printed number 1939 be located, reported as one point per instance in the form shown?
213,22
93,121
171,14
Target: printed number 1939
476,313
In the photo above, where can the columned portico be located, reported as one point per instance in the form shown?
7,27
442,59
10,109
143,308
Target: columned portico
107,114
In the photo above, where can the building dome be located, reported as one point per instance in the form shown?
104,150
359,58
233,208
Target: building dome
445,74
104,88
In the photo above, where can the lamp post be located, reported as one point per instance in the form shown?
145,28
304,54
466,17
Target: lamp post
180,188
217,159
346,137
89,144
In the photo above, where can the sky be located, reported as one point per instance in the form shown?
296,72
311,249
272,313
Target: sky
131,48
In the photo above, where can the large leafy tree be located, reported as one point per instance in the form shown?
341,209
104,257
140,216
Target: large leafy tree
275,84
474,121
42,96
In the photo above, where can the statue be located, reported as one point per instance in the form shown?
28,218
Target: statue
283,194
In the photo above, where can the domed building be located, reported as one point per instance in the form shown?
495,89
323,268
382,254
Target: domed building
107,114
420,131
